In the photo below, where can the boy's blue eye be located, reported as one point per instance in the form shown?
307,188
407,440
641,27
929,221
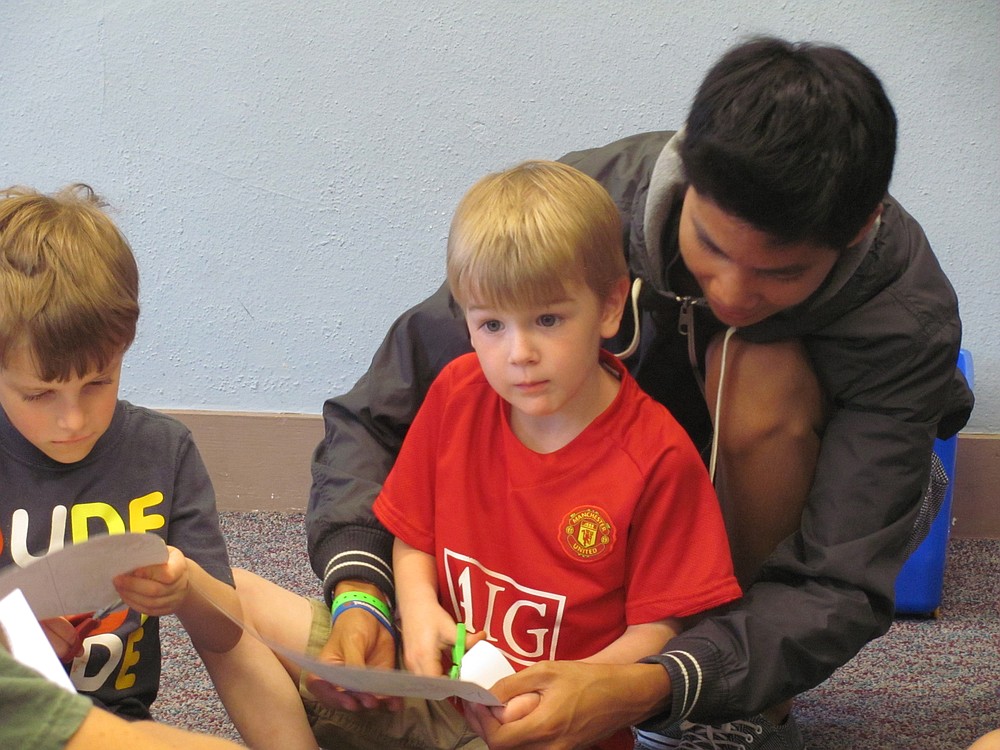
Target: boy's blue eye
493,325
548,320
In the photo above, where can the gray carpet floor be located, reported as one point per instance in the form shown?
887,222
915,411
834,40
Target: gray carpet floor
929,684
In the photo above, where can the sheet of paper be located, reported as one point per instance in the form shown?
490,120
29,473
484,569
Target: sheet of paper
389,681
78,578
484,664
375,681
27,640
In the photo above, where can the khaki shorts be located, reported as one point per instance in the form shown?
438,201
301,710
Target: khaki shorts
421,725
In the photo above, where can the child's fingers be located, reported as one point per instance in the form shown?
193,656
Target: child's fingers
426,662
161,573
148,596
61,635
152,605
130,585
472,638
167,572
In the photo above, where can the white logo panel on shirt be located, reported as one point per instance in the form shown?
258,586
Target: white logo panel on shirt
520,621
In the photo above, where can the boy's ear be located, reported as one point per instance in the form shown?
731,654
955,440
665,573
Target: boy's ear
614,307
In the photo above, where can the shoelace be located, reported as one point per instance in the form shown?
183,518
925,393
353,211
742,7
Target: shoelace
735,735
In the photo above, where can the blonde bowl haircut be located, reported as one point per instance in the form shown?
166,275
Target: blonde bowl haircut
520,237
69,284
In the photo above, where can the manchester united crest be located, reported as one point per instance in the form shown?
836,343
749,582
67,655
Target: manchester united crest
586,533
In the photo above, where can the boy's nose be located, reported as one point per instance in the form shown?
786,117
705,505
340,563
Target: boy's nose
522,349
71,417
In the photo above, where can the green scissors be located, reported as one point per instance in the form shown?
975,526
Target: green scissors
457,651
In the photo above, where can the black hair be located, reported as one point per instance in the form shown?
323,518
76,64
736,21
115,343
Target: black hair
798,140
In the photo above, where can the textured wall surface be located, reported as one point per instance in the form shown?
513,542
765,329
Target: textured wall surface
286,171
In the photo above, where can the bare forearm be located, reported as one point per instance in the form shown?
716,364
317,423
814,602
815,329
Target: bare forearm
636,642
101,730
416,579
207,627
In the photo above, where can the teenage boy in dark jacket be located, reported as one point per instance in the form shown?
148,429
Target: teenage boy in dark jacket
766,254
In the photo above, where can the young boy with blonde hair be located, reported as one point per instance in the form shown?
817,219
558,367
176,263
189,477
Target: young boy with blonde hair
76,462
540,498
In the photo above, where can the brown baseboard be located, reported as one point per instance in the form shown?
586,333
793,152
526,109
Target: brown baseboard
975,507
256,461
261,462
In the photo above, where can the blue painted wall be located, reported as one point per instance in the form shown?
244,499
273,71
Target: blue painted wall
286,171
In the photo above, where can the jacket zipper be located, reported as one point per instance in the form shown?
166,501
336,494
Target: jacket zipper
685,327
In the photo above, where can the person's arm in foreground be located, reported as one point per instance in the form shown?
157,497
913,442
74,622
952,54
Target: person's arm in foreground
101,730
989,741
36,714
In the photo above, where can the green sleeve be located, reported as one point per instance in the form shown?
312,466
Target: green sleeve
36,714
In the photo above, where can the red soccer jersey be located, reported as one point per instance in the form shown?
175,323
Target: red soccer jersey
553,555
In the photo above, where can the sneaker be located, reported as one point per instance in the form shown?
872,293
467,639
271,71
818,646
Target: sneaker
757,733
667,740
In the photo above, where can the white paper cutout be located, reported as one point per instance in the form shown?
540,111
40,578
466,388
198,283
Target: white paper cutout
78,578
28,642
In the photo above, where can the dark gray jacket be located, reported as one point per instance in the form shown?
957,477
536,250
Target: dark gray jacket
883,332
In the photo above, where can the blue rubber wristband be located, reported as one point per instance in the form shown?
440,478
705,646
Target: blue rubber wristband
373,611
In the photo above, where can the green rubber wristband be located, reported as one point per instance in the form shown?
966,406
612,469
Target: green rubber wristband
360,596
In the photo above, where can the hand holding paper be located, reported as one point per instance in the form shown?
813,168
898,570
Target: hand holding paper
156,589
356,640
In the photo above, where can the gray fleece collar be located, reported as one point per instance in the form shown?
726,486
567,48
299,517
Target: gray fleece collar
665,184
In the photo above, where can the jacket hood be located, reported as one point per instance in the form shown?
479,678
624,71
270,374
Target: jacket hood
663,201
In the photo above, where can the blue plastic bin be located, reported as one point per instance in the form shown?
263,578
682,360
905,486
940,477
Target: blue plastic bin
919,585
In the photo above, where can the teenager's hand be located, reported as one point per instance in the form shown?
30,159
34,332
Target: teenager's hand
156,589
577,704
357,639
